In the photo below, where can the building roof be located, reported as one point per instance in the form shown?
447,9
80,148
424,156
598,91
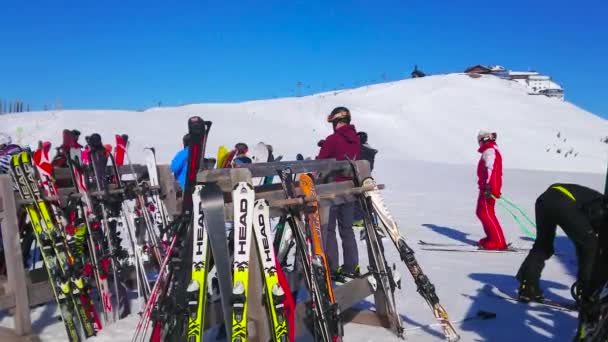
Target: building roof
478,67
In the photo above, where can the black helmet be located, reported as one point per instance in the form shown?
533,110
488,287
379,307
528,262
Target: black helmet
339,114
241,148
362,137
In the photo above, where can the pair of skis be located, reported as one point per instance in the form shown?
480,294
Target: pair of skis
372,200
67,285
325,320
251,217
168,310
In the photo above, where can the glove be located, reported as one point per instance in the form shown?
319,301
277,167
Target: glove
487,191
320,143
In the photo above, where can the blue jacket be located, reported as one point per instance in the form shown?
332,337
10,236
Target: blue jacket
179,164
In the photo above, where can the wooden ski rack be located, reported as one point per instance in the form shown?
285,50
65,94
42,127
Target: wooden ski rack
22,292
329,193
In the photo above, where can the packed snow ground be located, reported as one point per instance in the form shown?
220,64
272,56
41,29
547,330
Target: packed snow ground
434,118
436,202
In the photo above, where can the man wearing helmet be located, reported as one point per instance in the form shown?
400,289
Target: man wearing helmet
489,173
343,144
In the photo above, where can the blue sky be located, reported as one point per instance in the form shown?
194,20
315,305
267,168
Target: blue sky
133,54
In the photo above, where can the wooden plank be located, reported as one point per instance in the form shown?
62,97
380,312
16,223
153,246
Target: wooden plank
8,335
366,317
168,189
326,167
16,283
37,293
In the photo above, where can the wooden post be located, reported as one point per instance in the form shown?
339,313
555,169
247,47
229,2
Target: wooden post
167,189
15,272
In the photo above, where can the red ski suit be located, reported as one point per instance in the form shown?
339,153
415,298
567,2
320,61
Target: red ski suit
489,174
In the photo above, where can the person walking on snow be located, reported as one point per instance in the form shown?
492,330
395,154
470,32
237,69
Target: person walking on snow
489,173
343,144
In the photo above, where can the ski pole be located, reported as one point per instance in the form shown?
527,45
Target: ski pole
506,200
517,220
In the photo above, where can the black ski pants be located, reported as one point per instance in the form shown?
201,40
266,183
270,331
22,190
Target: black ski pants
553,209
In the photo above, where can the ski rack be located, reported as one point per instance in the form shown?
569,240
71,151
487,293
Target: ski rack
17,286
22,288
329,193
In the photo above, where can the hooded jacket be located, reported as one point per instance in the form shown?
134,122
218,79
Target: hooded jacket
489,168
343,144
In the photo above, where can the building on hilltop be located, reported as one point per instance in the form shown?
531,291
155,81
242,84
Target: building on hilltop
537,83
417,72
496,70
478,69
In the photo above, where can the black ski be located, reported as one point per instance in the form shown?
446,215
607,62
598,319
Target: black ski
213,206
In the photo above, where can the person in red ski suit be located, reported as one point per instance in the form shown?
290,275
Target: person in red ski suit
489,173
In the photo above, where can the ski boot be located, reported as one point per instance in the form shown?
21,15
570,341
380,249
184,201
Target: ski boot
342,275
529,293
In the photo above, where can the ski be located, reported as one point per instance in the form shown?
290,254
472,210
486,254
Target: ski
378,266
166,309
212,202
91,229
197,289
157,207
73,236
320,267
172,314
424,285
499,293
321,326
476,250
275,294
59,285
445,244
242,199
71,271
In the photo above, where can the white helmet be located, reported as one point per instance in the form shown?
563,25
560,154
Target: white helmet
484,136
5,139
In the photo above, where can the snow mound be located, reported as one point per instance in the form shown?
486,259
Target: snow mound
432,119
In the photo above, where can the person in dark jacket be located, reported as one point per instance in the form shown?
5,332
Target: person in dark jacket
582,213
343,144
367,152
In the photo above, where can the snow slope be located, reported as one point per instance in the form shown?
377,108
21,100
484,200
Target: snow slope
430,119
432,202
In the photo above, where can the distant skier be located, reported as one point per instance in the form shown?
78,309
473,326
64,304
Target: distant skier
489,173
343,144
180,162
582,213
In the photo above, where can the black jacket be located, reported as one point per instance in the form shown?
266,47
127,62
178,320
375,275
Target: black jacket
369,154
